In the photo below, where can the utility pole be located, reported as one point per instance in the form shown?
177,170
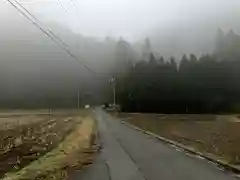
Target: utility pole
114,93
78,99
113,83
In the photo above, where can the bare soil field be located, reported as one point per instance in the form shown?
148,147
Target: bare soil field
27,135
215,134
74,152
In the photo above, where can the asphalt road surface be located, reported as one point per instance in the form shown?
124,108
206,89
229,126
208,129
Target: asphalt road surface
128,154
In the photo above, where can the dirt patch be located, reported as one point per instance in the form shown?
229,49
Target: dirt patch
218,135
74,151
26,138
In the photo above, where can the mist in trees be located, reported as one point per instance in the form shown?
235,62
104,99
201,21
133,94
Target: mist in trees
205,84
197,85
35,73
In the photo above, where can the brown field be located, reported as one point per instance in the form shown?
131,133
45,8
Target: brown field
27,135
215,134
74,152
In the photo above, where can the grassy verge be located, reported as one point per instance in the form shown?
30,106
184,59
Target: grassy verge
74,151
211,134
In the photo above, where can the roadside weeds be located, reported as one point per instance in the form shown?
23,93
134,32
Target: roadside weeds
191,150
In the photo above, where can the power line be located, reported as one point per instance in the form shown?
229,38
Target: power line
73,4
34,23
31,15
62,7
50,35
65,8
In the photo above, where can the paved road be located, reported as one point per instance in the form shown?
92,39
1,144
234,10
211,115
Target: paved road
131,155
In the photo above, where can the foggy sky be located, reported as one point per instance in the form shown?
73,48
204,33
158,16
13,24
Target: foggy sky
131,19
31,62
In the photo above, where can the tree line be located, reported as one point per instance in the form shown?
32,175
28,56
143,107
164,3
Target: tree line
195,85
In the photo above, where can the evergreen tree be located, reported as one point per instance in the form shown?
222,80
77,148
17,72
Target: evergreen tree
152,60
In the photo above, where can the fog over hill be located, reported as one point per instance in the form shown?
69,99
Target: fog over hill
101,34
32,65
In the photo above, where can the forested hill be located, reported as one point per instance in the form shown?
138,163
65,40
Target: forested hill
35,72
204,85
208,84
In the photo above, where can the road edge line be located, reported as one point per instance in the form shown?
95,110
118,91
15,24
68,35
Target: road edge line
225,165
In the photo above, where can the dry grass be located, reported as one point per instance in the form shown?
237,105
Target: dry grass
26,143
25,138
10,122
72,152
218,135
